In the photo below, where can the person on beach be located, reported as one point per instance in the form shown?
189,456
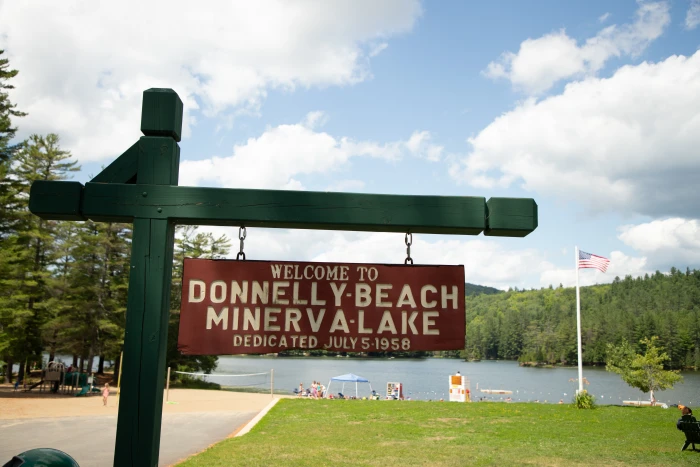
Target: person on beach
105,394
301,390
314,390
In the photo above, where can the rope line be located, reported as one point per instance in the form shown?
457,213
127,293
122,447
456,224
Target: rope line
216,374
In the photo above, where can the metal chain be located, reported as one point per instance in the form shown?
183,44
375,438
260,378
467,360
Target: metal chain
408,240
241,236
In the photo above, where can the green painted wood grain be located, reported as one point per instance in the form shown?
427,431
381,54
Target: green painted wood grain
161,113
123,169
53,200
287,209
148,309
510,217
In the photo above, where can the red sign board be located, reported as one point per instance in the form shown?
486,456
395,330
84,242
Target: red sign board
237,307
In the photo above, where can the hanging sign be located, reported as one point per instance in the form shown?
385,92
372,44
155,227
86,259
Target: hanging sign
243,307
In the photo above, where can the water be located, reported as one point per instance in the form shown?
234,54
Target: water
427,379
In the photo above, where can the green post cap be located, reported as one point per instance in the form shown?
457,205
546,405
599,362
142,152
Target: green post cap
161,113
42,457
510,217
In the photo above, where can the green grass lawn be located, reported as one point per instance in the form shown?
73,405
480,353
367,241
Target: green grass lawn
396,434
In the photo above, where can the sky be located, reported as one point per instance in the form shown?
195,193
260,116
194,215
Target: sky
591,108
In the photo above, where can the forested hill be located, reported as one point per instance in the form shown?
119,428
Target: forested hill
473,289
540,325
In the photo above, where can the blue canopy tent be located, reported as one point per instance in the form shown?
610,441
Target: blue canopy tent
349,378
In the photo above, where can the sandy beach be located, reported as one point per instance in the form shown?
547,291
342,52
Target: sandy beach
34,404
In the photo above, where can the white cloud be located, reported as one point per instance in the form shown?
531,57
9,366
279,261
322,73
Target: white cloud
315,119
620,265
627,143
692,17
602,18
542,62
83,66
280,153
669,242
486,261
419,145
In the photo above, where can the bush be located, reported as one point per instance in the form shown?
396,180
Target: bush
584,400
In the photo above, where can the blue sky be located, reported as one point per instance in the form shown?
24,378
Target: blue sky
591,108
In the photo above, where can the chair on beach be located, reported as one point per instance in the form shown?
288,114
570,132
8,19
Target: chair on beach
341,396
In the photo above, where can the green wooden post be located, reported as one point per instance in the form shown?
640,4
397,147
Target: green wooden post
148,310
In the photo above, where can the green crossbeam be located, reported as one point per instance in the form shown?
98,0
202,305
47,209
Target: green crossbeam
113,202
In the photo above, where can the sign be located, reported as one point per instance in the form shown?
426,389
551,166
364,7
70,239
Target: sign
243,307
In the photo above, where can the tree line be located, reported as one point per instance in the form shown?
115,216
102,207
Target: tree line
63,285
539,326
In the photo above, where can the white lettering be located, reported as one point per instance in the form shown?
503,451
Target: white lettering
332,273
339,322
250,319
406,297
315,324
295,295
446,296
271,318
381,294
338,292
344,273
386,324
361,329
424,296
276,269
363,294
278,292
193,297
213,318
372,272
261,292
407,322
314,292
427,322
291,318
239,292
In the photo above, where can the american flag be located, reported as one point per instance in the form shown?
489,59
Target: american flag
587,260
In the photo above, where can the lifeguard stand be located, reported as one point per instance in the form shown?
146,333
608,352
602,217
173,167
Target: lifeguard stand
459,388
394,391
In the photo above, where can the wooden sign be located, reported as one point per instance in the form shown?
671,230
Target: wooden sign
244,307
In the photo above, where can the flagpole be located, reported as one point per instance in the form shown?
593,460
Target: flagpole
578,327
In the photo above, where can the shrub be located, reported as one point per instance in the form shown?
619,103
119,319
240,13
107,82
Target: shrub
584,400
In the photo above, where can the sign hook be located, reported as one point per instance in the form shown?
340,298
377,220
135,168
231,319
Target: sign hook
241,236
409,241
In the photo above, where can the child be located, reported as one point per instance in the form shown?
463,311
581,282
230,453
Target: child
105,394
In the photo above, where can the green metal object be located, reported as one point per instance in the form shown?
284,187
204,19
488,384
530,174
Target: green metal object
43,457
141,187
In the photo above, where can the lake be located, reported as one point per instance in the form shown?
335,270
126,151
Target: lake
427,379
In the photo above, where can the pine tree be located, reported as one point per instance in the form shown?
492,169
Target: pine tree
191,244
8,204
29,251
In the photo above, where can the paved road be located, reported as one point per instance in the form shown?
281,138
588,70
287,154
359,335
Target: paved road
90,440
